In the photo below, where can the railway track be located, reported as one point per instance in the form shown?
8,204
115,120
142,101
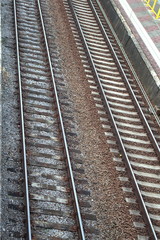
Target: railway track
130,129
51,199
52,204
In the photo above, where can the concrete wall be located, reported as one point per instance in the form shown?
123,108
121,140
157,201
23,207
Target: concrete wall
134,53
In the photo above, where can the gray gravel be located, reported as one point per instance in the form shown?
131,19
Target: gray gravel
11,171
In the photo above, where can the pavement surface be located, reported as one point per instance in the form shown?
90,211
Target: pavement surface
145,28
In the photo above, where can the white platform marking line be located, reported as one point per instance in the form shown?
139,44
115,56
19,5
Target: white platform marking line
141,31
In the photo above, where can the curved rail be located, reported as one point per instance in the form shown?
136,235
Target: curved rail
70,171
120,142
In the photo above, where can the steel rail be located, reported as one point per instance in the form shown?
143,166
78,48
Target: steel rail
29,234
79,218
121,145
130,66
139,109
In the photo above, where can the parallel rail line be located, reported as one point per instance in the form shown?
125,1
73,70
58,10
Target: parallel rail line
122,106
28,59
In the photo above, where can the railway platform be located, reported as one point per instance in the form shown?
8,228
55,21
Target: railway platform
146,23
138,28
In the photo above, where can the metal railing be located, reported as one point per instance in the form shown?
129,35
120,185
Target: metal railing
154,5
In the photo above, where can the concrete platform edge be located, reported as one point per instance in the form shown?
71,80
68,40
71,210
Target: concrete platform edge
142,66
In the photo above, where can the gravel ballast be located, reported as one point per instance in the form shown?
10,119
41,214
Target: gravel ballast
114,221
107,198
